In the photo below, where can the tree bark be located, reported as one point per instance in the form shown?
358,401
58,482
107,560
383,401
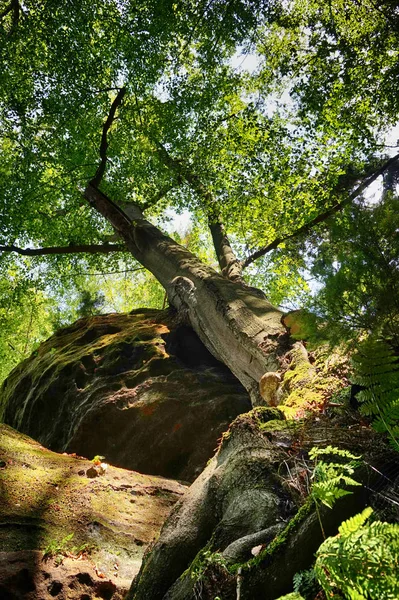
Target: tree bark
239,327
229,264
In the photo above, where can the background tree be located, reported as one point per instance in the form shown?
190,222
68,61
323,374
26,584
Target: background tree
137,109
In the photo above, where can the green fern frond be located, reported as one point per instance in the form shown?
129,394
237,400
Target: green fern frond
376,368
354,523
331,451
329,477
362,561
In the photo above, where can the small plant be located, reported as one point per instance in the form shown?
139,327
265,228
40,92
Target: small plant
328,477
204,560
97,460
59,549
56,549
377,371
362,561
306,584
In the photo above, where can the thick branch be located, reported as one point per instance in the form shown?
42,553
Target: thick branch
73,249
337,207
229,264
104,142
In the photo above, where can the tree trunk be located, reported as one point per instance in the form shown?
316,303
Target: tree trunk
236,323
230,266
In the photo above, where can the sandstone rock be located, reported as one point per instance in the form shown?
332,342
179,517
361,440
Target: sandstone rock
139,389
25,575
44,501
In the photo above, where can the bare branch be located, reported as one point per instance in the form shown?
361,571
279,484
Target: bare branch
95,182
337,207
72,249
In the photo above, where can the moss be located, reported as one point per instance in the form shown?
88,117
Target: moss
278,425
310,386
266,556
292,596
264,414
253,419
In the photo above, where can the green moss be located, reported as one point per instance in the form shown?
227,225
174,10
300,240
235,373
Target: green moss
266,556
278,425
292,596
264,414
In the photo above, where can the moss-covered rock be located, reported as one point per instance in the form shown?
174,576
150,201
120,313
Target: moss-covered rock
138,388
48,503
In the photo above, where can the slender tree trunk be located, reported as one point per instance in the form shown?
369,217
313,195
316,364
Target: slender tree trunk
235,323
229,264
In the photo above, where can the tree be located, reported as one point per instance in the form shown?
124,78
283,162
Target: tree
112,110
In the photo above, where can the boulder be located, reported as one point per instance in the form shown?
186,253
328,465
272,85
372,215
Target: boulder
64,535
139,389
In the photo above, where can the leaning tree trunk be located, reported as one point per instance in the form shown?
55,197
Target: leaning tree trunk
236,323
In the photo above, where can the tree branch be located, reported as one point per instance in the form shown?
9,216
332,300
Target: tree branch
72,249
229,264
104,142
337,207
15,7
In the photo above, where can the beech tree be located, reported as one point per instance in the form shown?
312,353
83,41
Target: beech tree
113,112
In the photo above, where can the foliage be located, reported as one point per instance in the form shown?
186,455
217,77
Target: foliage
330,474
305,583
59,549
203,560
90,304
362,561
271,145
355,263
376,369
292,596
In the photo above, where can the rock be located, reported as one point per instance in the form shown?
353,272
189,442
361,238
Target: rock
137,388
24,576
112,518
92,472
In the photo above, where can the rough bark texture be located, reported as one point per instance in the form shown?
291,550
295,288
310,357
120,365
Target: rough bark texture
230,266
245,496
237,325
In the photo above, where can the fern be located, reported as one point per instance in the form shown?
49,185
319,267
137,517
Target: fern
354,523
306,584
362,561
376,368
328,477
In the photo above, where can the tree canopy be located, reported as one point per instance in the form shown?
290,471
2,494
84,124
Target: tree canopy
264,119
